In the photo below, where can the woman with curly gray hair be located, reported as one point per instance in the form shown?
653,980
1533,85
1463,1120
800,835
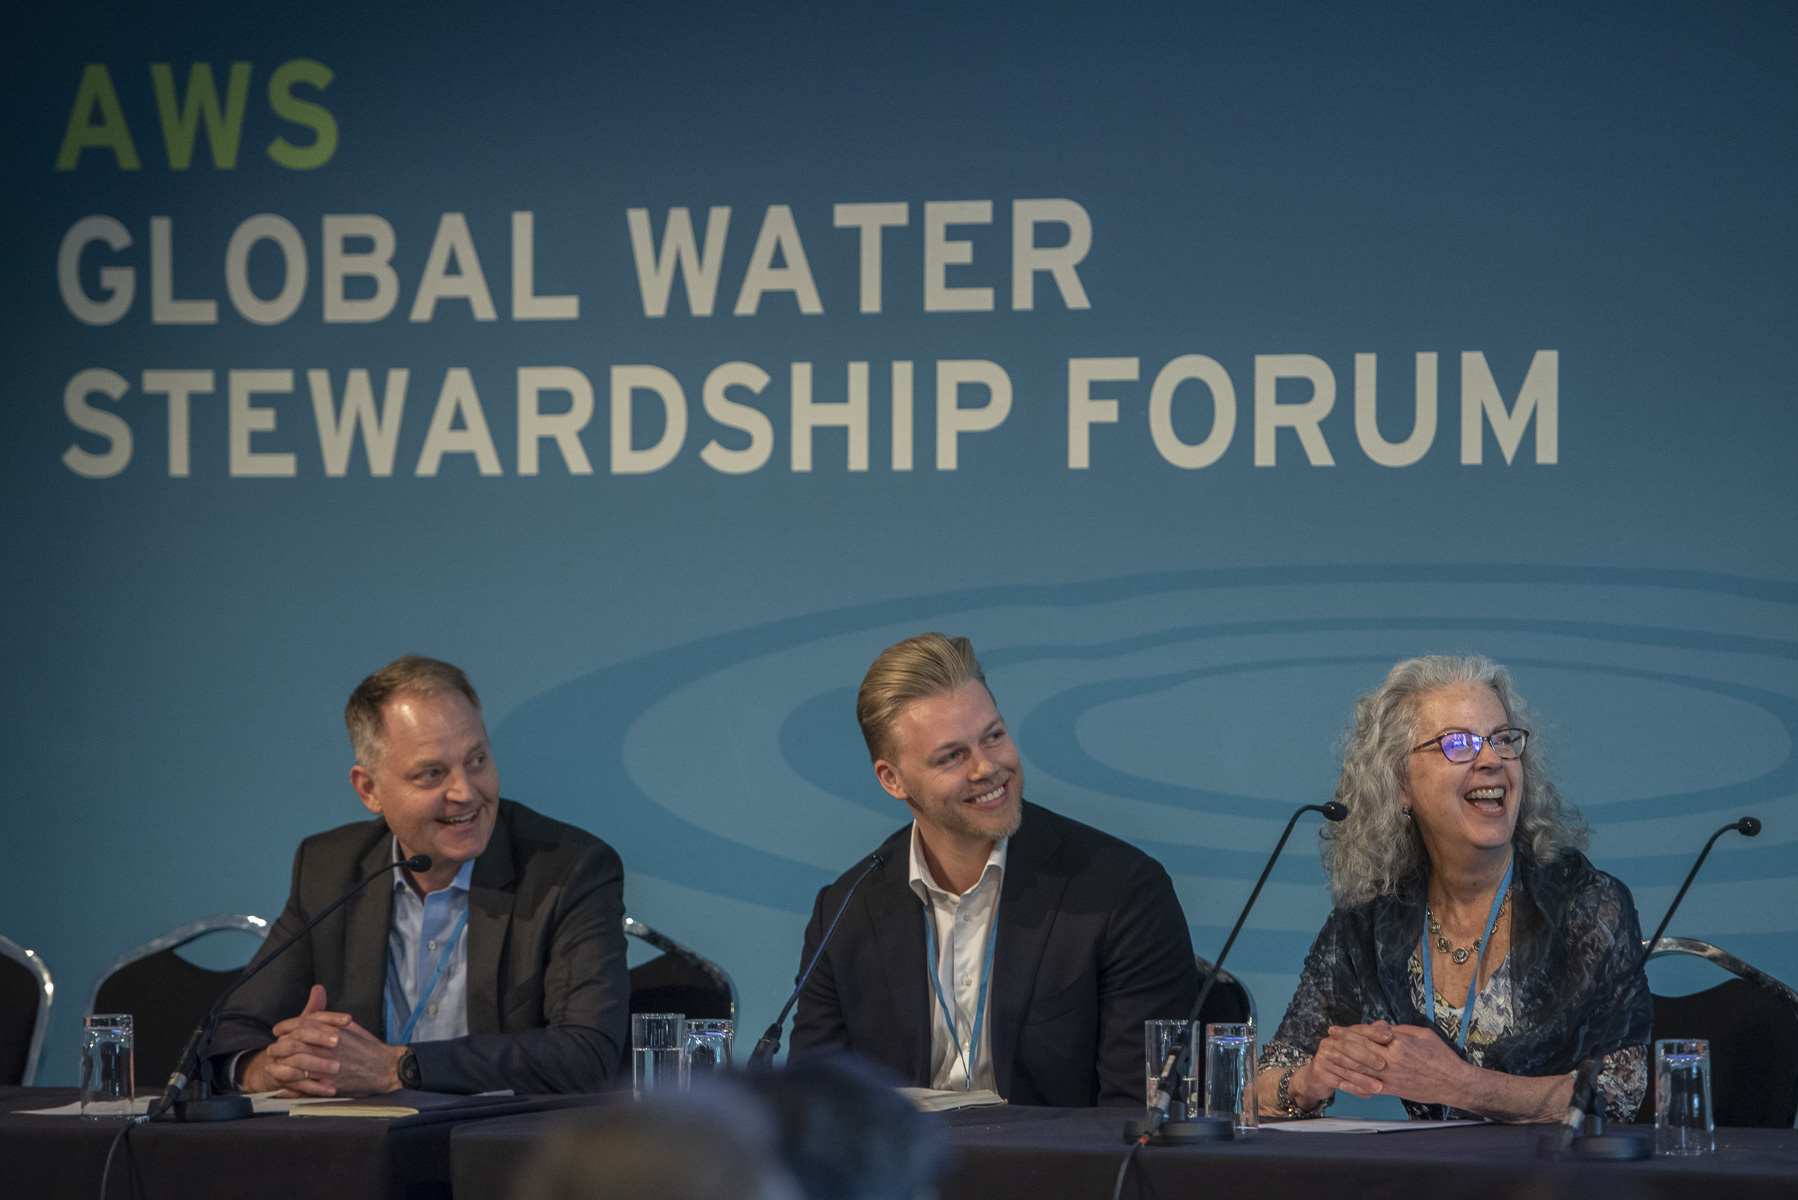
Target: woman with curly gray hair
1474,957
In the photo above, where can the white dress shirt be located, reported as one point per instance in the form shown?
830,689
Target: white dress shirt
961,926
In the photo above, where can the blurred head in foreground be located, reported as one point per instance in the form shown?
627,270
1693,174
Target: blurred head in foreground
713,1143
847,1135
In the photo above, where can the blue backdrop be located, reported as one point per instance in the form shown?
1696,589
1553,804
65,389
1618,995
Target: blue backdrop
1197,361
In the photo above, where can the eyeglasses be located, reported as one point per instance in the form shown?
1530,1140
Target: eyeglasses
1463,747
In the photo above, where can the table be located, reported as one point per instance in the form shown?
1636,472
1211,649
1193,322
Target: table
1049,1154
1073,1154
269,1157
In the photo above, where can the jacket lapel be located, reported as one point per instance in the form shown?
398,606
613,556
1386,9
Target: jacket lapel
490,895
1035,878
365,935
895,917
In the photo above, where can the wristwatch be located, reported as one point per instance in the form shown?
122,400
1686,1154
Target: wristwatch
412,1078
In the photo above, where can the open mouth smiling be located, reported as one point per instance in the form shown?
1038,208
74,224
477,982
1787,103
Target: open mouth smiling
988,798
1488,800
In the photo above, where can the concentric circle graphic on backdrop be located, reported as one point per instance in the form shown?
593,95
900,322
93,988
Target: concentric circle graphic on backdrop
1189,712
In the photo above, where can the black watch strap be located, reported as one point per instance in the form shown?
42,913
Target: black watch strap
410,1076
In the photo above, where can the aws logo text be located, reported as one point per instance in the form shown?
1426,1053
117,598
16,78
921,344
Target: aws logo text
97,120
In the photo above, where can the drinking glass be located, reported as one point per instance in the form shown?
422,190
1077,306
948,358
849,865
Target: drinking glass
656,1051
108,1078
1159,1037
705,1051
1230,1074
1683,1120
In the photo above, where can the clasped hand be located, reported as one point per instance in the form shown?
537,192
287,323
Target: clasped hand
320,1053
1408,1061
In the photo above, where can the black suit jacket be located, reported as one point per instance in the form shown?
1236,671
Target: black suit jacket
1092,943
548,990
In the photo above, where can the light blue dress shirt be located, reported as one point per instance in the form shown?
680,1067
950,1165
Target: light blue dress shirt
416,942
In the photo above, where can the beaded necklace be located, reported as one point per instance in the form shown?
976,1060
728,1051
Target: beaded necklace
1463,954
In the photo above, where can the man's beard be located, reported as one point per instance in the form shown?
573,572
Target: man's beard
962,823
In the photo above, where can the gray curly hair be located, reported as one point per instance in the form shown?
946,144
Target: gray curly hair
1375,850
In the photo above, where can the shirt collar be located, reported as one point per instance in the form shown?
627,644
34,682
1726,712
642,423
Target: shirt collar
459,883
923,883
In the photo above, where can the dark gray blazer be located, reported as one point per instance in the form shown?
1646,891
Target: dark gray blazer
548,990
1092,943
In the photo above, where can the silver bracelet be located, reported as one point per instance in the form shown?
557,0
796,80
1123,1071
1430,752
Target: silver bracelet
1288,1107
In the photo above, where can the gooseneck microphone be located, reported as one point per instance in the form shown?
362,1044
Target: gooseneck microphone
1157,1126
202,1105
762,1057
1747,827
1596,1143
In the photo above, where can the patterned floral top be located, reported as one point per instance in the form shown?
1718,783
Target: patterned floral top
1563,994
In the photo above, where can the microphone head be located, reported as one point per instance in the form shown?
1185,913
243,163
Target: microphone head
1750,826
418,863
1335,810
880,860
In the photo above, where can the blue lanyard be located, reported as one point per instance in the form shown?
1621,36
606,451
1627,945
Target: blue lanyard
986,972
449,948
1473,986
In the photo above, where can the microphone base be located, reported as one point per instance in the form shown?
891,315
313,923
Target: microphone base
214,1108
1605,1147
1189,1132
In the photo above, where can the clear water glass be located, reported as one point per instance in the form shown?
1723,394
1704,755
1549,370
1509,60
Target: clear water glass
108,1075
656,1051
1158,1038
705,1050
1230,1074
1683,1118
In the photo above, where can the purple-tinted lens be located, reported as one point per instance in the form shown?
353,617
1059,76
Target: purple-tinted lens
1460,747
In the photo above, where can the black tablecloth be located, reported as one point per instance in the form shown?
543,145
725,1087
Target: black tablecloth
273,1157
1073,1154
1048,1154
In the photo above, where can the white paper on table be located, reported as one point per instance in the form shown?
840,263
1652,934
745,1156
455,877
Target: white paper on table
262,1102
138,1108
269,1102
1351,1125
938,1100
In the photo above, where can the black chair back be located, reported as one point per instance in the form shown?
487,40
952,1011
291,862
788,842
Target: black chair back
166,996
1229,1001
679,980
19,1001
25,994
665,984
1754,1052
1751,1023
1228,1004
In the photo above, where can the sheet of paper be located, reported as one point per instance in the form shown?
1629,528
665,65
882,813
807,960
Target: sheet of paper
934,1100
1351,1125
351,1108
333,1106
262,1102
138,1107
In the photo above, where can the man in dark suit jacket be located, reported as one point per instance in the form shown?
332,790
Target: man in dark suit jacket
538,986
1044,1000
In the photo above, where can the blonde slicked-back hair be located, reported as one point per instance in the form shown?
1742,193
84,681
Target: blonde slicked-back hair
413,675
927,665
1375,849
